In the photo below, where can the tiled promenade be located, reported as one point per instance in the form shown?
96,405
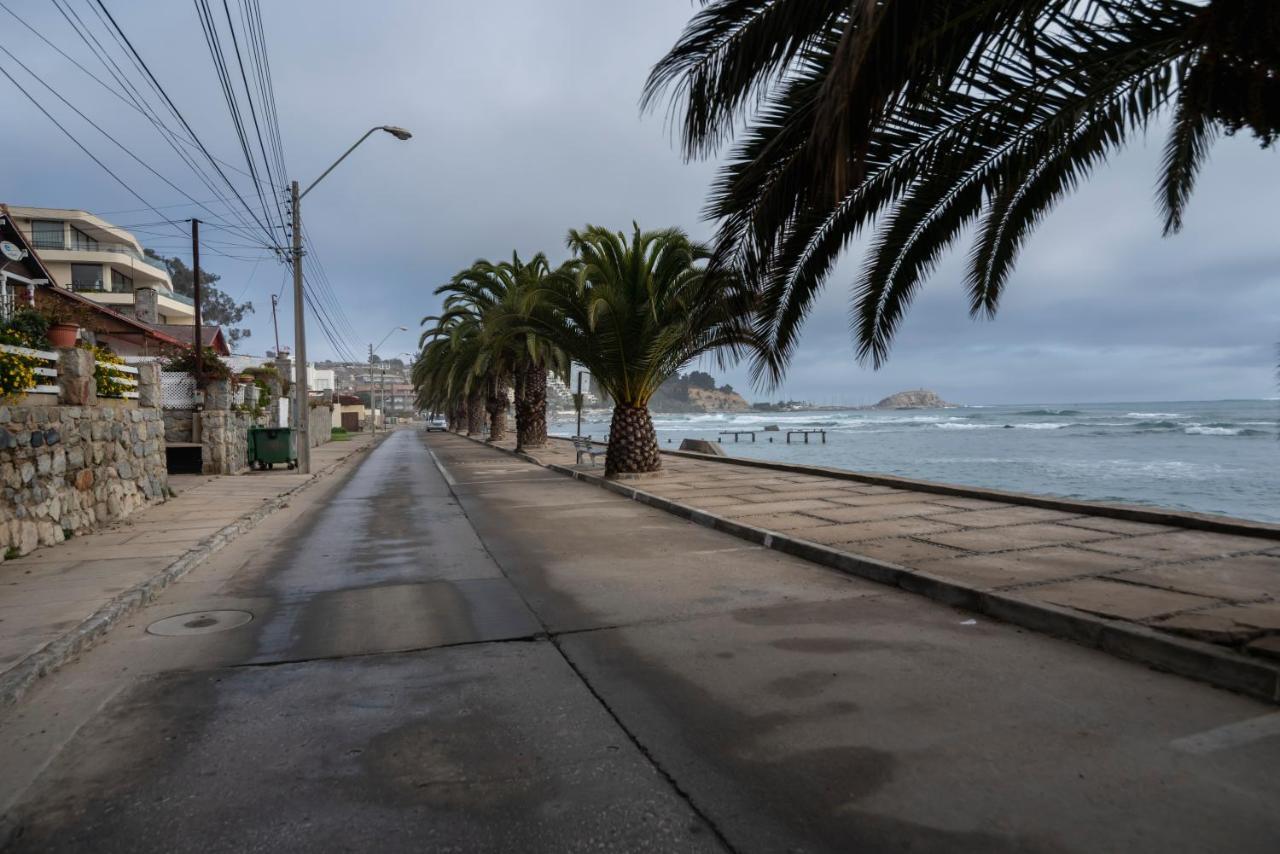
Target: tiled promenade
1215,587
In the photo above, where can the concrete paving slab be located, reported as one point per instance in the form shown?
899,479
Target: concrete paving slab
1033,565
882,499
874,529
735,511
1115,599
903,551
829,494
782,521
1182,545
1013,537
1007,515
1118,526
880,511
1237,578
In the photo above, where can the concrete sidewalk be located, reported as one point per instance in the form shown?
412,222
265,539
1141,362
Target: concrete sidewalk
1183,593
56,601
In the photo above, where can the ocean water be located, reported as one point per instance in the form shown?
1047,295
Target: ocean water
1205,456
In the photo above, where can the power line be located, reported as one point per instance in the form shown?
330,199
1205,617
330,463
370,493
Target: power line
79,145
178,114
98,127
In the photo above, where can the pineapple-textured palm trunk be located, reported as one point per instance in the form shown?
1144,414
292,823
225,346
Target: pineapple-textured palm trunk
531,407
517,396
496,405
633,444
475,414
458,417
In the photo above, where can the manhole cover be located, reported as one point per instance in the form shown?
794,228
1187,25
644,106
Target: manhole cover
199,623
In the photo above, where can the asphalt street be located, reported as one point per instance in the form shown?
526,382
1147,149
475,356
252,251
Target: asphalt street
448,649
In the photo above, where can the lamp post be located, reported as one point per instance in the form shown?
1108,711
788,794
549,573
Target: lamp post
300,398
373,414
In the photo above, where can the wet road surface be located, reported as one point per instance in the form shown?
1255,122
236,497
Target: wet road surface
454,650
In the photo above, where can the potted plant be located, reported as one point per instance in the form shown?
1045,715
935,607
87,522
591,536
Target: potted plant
65,320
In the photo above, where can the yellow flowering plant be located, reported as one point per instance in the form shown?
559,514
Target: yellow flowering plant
17,372
108,379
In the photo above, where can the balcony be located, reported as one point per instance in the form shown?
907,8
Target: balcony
83,246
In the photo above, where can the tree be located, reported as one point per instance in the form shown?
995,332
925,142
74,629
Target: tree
927,118
484,291
217,308
634,313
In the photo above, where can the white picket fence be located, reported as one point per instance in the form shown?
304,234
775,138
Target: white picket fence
126,375
47,371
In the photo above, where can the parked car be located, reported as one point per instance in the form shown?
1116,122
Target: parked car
436,422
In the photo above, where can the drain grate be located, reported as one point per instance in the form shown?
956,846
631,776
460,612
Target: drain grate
199,623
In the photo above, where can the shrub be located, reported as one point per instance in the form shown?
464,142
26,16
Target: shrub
17,372
108,379
31,325
185,362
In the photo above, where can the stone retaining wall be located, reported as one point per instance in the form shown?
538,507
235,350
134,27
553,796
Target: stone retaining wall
71,469
225,438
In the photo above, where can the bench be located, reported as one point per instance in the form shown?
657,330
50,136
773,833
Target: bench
582,447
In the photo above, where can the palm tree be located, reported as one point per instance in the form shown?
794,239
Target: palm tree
634,313
924,118
514,359
444,373
468,298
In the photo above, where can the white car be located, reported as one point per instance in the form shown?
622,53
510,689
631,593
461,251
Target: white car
437,423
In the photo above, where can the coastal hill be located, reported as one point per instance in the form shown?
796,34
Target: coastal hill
917,399
696,391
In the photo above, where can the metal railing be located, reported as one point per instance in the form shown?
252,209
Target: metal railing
114,248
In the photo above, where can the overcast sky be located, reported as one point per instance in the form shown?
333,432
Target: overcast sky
526,123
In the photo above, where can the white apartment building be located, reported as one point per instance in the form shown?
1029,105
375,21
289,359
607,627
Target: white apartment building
104,263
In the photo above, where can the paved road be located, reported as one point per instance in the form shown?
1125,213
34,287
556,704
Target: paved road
483,656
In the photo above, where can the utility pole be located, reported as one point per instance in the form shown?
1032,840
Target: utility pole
195,282
275,301
300,396
373,396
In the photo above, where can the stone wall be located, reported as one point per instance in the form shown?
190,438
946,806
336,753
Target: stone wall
178,425
70,469
224,435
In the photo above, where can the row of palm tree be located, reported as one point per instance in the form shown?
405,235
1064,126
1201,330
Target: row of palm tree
632,310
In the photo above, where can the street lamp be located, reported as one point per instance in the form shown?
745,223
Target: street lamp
373,414
300,397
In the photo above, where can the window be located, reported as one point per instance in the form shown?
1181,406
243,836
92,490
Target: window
86,277
120,282
80,240
47,234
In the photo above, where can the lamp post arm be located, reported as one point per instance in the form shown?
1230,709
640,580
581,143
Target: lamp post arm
367,134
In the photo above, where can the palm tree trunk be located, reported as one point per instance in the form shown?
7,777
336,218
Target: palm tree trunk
458,417
531,408
633,444
518,382
496,405
475,414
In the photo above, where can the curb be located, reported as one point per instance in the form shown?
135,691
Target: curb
1193,659
17,680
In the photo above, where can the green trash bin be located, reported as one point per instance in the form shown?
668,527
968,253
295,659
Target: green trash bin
271,445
